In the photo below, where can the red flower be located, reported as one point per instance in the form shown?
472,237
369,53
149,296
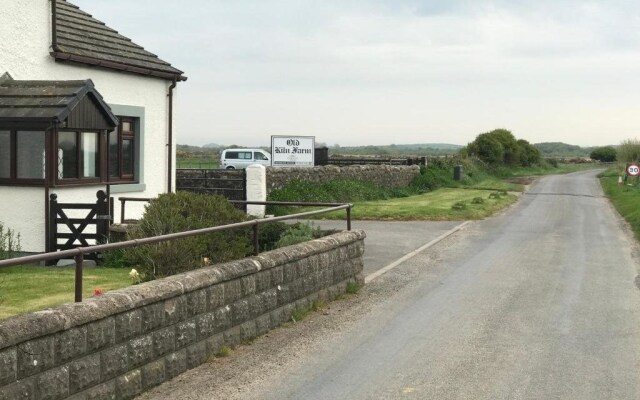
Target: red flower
97,292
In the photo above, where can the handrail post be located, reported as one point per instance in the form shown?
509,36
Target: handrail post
349,217
79,259
256,243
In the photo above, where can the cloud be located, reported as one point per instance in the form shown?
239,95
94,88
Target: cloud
407,68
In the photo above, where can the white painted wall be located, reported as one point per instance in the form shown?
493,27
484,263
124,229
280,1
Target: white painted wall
25,29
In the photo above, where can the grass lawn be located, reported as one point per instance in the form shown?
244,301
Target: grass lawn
29,288
626,199
197,163
434,206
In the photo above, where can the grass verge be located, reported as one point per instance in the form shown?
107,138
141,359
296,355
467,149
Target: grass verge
31,288
439,205
626,199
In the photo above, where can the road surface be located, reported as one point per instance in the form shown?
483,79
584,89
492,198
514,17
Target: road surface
539,302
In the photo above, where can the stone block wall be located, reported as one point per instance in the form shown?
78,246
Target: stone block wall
388,176
119,344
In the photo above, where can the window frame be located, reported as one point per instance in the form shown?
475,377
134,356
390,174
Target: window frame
122,136
79,179
13,178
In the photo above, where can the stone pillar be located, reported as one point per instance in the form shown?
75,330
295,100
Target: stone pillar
256,189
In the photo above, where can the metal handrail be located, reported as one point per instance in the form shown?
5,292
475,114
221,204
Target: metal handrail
123,200
79,252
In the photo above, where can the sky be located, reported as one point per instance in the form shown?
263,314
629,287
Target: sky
377,72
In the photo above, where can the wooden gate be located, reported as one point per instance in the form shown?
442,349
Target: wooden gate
67,232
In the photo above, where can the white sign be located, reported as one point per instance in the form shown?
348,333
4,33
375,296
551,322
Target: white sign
633,170
292,151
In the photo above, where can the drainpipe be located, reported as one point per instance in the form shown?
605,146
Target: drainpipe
170,144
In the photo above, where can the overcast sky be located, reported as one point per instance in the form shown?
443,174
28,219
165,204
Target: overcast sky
357,72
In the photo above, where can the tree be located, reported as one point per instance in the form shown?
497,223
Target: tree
604,154
529,154
500,147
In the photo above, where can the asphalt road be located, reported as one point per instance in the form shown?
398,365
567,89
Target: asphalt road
539,302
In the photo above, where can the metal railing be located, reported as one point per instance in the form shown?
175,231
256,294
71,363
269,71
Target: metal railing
123,201
79,252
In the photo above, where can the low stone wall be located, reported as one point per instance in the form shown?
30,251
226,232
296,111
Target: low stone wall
124,342
387,176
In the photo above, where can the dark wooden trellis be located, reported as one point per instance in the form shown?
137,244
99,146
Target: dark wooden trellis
98,215
231,184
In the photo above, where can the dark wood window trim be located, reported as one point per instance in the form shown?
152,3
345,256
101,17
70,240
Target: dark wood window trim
126,132
79,179
13,179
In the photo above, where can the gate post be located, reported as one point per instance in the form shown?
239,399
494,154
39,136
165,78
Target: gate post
52,240
256,189
102,215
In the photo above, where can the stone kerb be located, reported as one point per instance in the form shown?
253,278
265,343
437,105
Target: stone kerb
388,176
124,342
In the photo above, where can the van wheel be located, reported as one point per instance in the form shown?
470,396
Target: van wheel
230,167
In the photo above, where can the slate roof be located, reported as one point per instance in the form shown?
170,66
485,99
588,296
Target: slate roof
80,38
46,101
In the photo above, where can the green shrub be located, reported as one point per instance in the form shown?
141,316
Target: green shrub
270,233
477,200
459,206
179,212
9,243
604,154
297,233
629,151
495,195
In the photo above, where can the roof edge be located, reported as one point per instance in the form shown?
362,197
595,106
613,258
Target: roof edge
61,56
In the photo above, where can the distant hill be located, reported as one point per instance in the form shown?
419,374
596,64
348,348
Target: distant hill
559,149
423,149
212,146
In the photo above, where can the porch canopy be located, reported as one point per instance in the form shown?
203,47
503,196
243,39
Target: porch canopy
53,132
53,104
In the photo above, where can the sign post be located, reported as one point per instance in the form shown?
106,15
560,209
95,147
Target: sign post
292,151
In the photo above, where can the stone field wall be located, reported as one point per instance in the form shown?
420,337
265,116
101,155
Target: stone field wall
388,176
121,343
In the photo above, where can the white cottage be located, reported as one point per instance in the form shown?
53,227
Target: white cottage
82,109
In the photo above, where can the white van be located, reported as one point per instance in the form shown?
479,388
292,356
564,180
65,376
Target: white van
242,158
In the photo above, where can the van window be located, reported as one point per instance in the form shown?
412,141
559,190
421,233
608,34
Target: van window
260,156
244,155
231,154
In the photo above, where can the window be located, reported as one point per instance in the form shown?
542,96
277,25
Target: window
78,155
122,147
5,154
260,156
22,155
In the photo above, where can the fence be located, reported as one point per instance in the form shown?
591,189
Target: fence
230,184
78,254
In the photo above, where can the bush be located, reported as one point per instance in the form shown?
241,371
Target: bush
9,243
477,200
459,206
604,154
297,233
179,212
629,151
270,234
